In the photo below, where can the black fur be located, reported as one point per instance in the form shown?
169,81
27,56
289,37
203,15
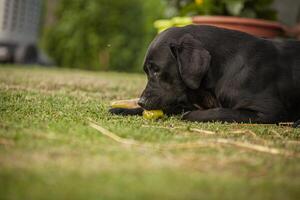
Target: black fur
214,74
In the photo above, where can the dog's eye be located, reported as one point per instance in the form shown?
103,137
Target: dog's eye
154,68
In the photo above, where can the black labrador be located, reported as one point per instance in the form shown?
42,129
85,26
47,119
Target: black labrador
215,74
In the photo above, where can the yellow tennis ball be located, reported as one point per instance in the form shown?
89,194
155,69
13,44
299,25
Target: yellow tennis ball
199,2
153,114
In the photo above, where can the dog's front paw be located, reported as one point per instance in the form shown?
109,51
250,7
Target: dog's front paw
186,115
296,124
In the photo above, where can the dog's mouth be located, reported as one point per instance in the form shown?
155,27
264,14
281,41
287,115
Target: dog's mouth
153,107
176,107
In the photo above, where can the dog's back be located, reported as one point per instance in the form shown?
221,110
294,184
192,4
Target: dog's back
263,54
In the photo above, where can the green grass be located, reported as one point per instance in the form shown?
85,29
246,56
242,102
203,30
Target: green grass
48,151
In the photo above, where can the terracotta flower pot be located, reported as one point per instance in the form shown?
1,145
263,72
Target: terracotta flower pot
257,27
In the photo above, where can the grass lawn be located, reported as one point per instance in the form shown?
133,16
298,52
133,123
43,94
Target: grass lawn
49,151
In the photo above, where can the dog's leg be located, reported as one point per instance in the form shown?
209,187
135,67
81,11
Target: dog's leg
296,124
222,115
126,111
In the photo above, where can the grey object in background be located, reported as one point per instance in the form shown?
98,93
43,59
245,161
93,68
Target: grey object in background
19,28
288,11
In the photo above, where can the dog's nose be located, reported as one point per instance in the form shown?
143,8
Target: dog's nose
142,102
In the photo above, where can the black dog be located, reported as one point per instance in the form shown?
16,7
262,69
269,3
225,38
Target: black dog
215,74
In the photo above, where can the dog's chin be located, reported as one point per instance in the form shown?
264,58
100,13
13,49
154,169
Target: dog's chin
151,107
178,109
173,111
170,109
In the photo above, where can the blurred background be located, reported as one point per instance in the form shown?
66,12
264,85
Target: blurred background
114,34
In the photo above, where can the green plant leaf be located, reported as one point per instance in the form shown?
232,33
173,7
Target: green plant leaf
263,3
234,7
248,13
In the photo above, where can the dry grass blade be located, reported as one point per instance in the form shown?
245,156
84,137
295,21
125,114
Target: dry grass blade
164,127
181,127
255,147
202,131
112,135
276,134
244,132
294,142
188,145
227,142
118,139
196,144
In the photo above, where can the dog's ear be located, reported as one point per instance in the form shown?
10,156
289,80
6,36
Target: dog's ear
192,59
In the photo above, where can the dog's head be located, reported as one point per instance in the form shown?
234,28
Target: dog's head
175,63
